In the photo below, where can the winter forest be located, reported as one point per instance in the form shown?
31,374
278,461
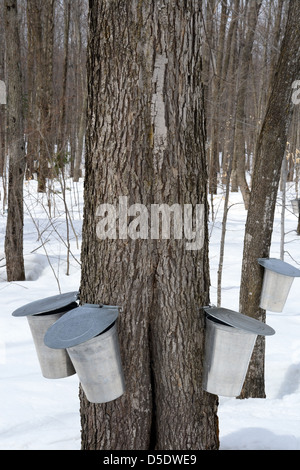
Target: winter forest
165,105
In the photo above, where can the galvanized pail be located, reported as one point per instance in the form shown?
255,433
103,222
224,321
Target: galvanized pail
98,366
229,342
55,364
90,336
277,282
41,315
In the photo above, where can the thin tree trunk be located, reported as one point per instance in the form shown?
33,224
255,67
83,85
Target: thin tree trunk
45,91
80,141
16,146
62,137
207,47
214,166
82,100
230,66
31,134
239,142
146,140
34,35
276,40
272,141
283,189
2,141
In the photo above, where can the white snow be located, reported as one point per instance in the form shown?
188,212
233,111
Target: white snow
43,414
38,413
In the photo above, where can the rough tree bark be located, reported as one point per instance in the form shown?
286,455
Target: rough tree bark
146,140
16,146
266,175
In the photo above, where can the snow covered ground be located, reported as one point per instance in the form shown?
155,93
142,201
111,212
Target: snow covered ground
272,423
43,414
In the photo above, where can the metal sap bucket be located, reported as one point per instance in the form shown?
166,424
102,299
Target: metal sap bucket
229,342
277,282
90,336
296,206
41,315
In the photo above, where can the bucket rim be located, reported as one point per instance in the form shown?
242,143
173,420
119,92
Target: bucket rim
54,304
278,266
80,325
103,336
239,321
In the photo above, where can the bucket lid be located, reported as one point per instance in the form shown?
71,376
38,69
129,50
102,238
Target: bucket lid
279,267
240,321
54,304
80,325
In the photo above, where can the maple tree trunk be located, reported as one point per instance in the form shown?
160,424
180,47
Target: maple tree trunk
146,140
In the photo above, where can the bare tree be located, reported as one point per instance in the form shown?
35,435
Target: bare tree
40,21
270,151
2,110
16,146
216,95
62,138
146,141
239,138
79,115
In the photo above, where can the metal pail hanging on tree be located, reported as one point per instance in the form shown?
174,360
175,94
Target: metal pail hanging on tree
90,336
229,341
41,315
277,282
